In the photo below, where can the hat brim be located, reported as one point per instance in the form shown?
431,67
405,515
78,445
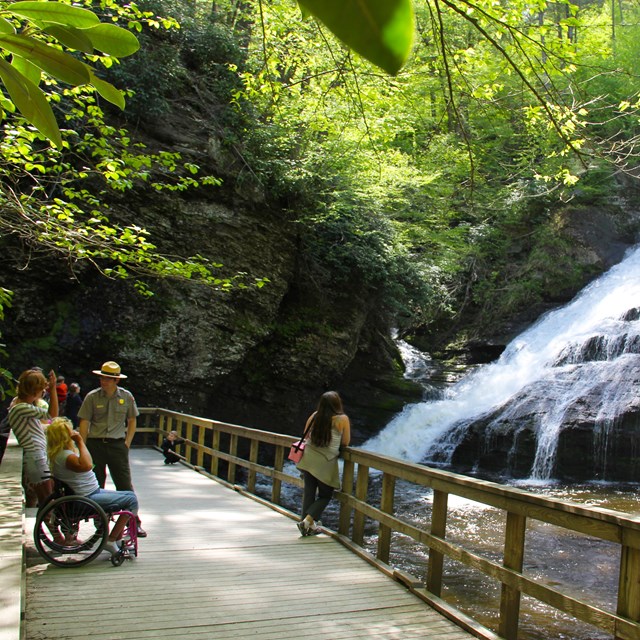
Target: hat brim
108,375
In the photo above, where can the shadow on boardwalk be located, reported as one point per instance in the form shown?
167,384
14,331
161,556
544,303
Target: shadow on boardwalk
218,565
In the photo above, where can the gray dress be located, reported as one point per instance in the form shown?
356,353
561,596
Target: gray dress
322,462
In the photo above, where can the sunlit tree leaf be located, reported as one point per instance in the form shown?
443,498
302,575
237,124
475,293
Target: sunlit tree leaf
113,40
28,70
6,26
380,30
54,12
58,64
108,91
31,102
70,37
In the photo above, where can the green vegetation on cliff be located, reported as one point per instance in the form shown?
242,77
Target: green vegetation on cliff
441,192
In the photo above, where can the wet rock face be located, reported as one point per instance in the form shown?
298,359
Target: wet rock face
598,429
598,238
184,338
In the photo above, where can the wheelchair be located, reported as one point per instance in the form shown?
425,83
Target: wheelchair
71,530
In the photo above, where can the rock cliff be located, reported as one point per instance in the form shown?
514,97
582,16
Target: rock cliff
259,357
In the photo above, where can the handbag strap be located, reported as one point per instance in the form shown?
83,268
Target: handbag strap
298,445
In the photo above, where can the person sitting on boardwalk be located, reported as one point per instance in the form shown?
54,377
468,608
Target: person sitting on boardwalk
330,429
169,447
25,416
71,463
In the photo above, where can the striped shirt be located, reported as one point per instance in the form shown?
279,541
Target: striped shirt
24,419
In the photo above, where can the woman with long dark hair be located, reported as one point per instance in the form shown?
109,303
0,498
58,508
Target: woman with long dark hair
329,429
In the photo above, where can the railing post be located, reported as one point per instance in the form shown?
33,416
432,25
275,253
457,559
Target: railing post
438,528
200,456
253,458
161,428
145,422
215,445
233,451
362,487
347,488
189,448
386,504
513,559
278,465
629,580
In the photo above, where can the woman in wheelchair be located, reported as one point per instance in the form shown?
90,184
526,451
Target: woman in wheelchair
71,463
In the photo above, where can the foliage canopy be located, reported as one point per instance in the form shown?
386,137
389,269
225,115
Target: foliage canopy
420,183
502,114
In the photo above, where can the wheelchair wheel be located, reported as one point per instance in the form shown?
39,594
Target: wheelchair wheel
70,531
118,558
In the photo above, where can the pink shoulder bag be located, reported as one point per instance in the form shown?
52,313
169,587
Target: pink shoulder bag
297,448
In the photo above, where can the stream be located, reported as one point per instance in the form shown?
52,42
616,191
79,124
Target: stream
584,352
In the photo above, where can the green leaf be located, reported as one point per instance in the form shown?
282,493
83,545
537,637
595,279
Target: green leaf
56,12
108,91
31,102
112,40
56,63
6,26
28,70
380,30
70,37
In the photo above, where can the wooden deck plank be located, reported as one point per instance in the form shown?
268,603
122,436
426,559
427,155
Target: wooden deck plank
217,565
11,556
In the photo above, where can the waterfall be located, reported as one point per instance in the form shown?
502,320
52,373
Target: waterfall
418,365
589,346
420,368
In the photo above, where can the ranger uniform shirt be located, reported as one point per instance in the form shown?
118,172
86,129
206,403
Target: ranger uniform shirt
108,416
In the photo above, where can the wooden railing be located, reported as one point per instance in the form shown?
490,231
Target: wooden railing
222,449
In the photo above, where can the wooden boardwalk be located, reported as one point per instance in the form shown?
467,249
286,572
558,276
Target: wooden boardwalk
218,565
11,573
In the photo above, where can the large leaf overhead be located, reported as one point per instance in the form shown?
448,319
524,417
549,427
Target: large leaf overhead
54,12
55,62
31,102
112,39
379,30
107,90
33,52
70,37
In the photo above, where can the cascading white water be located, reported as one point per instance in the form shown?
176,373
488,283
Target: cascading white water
567,352
418,365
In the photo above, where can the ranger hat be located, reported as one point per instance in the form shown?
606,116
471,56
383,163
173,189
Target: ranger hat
110,369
